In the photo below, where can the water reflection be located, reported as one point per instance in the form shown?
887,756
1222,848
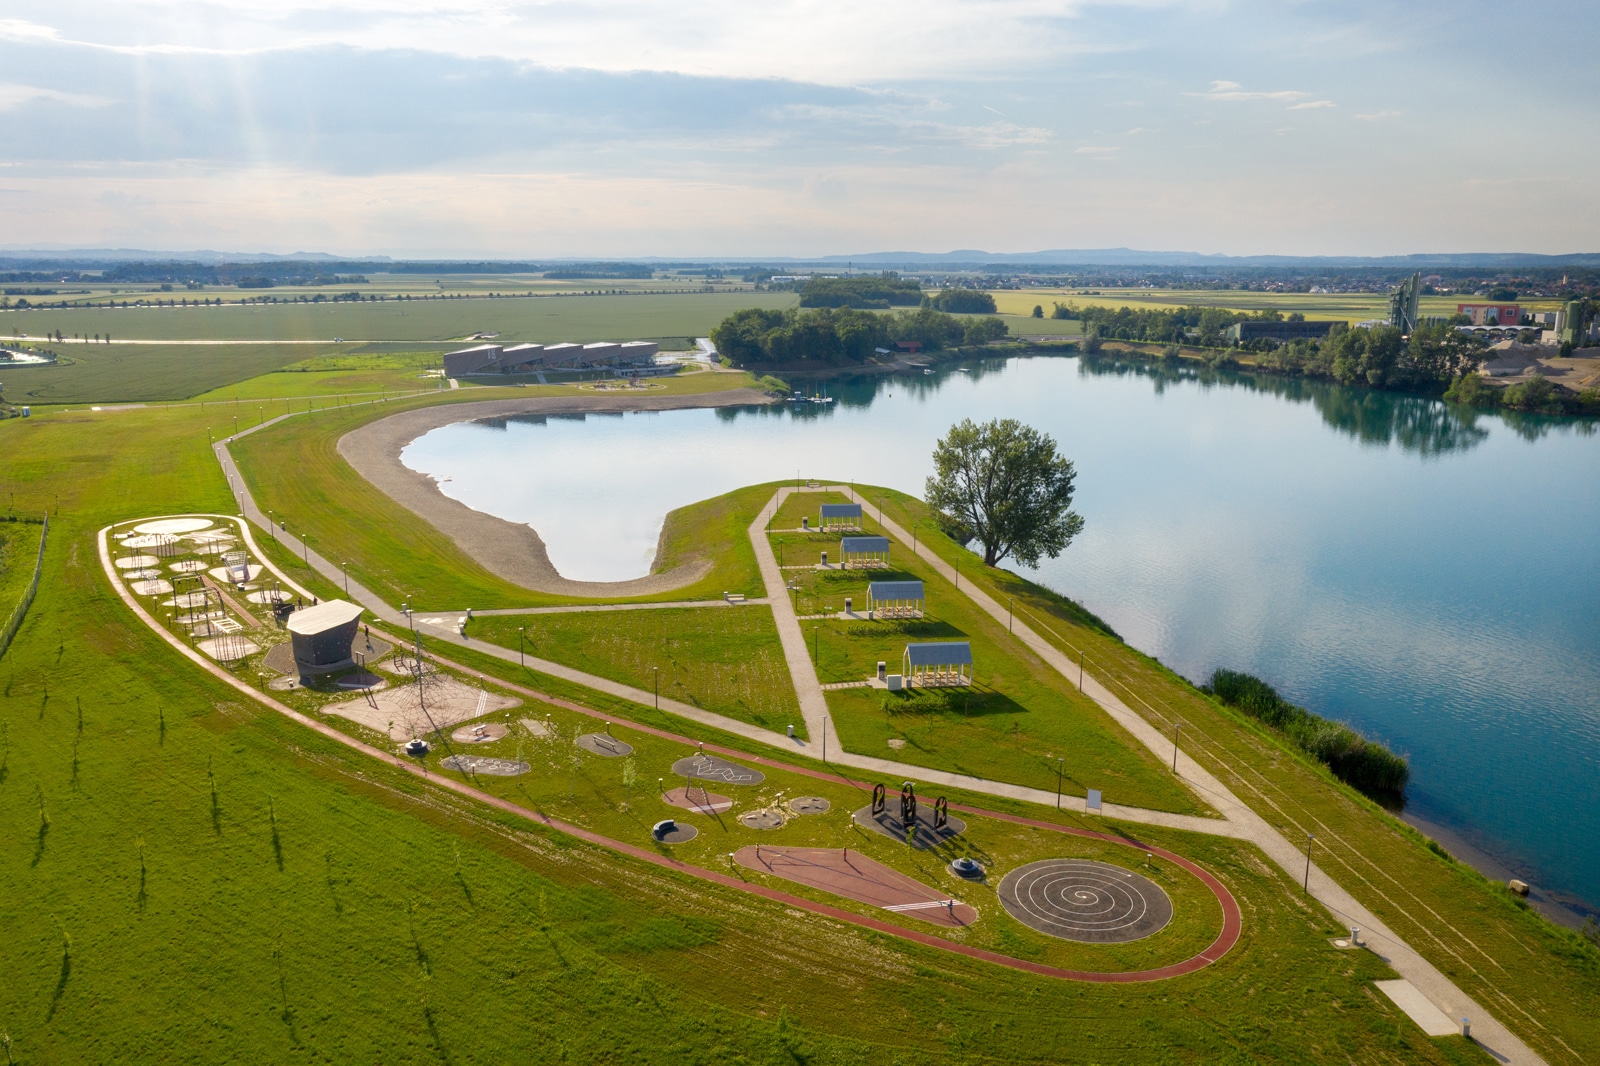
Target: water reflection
1417,424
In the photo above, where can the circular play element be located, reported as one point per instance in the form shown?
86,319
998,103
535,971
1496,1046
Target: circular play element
156,587
967,868
417,747
188,566
668,831
703,767
149,573
128,562
483,764
766,818
1087,901
189,600
809,805
265,597
174,525
482,733
604,744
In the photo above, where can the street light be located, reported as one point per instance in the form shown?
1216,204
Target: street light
305,545
824,738
1061,769
521,655
1307,886
345,567
656,673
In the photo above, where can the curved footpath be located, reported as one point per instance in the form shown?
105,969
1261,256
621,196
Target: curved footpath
1238,820
511,550
1226,938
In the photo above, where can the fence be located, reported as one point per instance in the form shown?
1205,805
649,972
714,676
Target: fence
14,623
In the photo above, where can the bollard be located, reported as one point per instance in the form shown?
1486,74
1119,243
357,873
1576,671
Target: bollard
883,670
805,524
847,605
824,558
1355,936
791,732
1466,1028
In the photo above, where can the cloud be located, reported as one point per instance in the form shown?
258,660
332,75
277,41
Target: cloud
1097,149
1310,105
1377,116
833,42
1232,91
13,96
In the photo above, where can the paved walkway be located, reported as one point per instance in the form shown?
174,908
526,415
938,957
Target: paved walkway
1238,820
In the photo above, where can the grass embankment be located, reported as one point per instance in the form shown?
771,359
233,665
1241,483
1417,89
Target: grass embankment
324,907
295,469
1020,721
726,660
1541,980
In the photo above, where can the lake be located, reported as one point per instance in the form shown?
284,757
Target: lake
1423,572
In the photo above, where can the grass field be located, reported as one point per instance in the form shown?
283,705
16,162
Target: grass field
145,373
546,319
723,660
187,878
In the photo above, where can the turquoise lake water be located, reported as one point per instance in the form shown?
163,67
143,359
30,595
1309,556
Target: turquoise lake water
1424,573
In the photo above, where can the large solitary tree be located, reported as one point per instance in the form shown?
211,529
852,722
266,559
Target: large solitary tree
1003,485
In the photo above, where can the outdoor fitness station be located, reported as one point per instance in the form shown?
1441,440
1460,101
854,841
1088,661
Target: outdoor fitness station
937,665
864,552
840,517
895,599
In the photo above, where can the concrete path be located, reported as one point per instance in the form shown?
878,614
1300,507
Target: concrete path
1238,820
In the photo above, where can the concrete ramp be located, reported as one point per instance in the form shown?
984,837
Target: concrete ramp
1418,1008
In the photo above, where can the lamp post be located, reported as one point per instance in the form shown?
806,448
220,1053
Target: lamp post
345,569
656,677
824,739
521,655
272,526
1061,769
1011,604
1307,886
1177,727
305,546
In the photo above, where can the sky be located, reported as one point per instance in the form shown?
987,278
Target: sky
620,128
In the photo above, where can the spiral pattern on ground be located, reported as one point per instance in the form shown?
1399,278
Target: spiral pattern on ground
1091,902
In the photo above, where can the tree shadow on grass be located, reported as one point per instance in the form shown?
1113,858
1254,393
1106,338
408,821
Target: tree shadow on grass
61,980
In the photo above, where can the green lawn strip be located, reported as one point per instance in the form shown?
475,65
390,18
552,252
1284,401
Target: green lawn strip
295,469
726,660
1475,930
292,383
19,550
1013,724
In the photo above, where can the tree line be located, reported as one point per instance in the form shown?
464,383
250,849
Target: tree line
834,336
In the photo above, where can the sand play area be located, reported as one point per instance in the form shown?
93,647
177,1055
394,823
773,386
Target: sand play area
404,711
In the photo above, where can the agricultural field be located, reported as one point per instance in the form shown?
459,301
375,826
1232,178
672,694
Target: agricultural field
672,319
188,873
1347,307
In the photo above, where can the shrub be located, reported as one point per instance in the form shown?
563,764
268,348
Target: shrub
1365,765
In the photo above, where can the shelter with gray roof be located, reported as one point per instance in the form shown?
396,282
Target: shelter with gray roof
322,635
862,552
937,665
895,599
840,516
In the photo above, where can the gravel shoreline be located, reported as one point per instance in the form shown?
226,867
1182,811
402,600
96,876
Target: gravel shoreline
507,549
